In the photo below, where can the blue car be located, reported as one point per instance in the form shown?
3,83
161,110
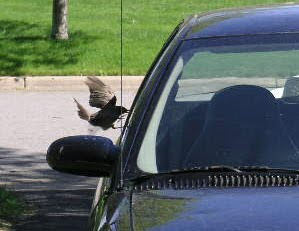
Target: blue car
212,139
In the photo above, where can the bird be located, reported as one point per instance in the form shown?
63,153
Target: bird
101,96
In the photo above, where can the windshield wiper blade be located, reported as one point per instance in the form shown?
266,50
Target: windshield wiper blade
214,168
200,169
267,169
224,169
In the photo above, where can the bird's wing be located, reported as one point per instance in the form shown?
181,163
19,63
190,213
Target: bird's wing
100,93
112,102
82,112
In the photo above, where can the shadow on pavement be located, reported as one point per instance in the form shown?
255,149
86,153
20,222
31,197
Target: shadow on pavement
57,210
60,201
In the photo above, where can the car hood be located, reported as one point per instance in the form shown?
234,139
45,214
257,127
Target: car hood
256,209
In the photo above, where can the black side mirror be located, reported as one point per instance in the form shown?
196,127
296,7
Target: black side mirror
83,155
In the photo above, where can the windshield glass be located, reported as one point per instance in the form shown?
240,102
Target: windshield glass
227,101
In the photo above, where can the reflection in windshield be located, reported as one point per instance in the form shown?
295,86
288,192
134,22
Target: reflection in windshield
226,105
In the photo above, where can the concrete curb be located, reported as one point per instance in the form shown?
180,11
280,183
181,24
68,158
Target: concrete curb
11,83
63,83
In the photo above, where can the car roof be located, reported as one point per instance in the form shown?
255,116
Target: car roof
248,21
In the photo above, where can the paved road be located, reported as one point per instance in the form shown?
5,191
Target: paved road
29,122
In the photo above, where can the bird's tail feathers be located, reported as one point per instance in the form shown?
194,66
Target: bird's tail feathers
82,112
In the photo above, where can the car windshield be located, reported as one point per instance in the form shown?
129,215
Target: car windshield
230,101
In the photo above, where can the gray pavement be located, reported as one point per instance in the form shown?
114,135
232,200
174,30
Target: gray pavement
29,122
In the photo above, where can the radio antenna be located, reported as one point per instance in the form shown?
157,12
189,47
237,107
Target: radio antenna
121,87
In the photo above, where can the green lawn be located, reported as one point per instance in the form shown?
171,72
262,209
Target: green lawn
94,47
11,207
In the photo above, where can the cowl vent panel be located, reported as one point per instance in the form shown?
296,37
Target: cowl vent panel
196,181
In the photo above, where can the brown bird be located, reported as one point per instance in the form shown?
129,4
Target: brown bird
101,96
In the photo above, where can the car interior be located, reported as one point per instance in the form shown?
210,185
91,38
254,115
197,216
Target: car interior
242,125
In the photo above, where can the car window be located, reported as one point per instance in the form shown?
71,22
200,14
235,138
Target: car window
231,101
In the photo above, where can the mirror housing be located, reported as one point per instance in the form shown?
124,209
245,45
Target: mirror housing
83,155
